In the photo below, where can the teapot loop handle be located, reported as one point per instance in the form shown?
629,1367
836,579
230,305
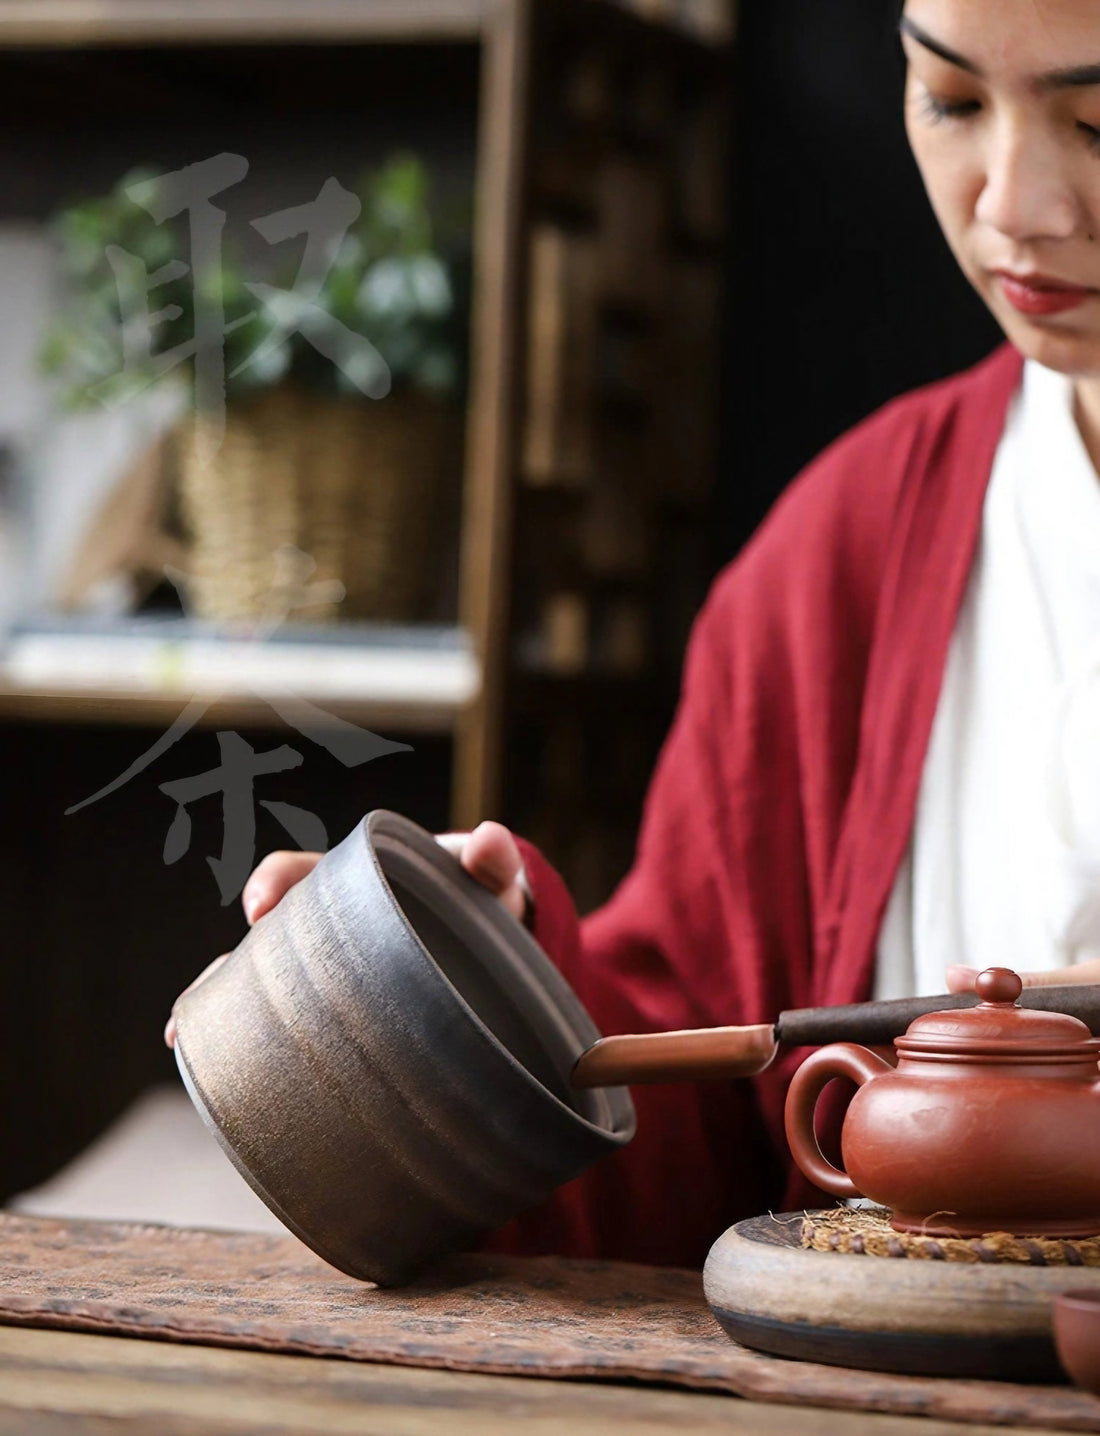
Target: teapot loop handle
842,1059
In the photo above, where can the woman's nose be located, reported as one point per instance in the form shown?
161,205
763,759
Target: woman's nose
1027,193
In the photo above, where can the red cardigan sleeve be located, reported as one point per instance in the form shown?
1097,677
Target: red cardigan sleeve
660,956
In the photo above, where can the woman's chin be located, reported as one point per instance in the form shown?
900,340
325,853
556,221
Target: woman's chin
1063,342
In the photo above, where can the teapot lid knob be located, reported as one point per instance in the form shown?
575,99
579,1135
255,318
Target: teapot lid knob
998,984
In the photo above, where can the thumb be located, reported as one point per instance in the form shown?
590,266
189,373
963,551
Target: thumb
491,855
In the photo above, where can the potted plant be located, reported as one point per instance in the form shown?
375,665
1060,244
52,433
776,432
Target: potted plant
324,393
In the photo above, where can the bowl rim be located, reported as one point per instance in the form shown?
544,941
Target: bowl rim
512,938
1085,1298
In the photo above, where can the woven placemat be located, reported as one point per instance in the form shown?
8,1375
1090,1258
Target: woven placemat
534,1316
867,1232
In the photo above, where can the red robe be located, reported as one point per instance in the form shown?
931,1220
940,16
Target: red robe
779,812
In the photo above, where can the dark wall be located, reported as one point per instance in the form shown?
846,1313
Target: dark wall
98,934
843,291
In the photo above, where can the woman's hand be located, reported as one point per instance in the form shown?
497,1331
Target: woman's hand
489,854
961,979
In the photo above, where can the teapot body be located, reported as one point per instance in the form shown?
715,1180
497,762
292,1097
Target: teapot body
990,1121
1006,1152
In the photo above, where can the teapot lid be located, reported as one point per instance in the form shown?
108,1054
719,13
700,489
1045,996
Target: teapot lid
997,1026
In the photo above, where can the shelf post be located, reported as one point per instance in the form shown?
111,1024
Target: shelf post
484,596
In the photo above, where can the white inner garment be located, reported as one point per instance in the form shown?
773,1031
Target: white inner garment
1003,868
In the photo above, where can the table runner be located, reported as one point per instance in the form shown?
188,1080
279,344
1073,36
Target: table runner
536,1316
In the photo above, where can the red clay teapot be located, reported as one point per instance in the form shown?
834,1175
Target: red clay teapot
989,1122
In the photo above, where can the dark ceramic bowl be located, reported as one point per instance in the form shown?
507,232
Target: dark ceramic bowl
386,1059
1076,1317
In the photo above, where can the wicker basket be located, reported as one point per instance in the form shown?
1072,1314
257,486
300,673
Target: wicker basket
363,488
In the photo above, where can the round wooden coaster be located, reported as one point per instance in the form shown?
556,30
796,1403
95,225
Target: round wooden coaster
935,1318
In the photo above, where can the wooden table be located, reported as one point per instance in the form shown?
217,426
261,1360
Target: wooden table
55,1383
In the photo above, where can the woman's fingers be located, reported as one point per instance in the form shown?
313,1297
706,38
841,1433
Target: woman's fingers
273,879
170,1028
490,854
961,979
269,884
1059,976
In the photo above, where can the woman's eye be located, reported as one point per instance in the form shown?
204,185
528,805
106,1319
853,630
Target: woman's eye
1091,134
934,109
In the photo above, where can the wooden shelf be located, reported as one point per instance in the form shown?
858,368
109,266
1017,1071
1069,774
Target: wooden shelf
657,36
534,683
139,708
196,22
147,673
522,49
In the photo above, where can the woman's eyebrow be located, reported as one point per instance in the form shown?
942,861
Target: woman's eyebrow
914,31
1076,77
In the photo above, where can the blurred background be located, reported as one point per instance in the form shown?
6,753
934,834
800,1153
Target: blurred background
399,369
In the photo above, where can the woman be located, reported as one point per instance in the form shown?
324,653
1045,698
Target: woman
882,763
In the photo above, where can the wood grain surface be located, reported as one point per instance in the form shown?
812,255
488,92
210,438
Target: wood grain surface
55,1383
534,1318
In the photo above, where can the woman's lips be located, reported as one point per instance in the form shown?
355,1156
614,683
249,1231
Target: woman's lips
1036,295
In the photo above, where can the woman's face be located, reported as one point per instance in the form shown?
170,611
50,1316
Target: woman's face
1002,109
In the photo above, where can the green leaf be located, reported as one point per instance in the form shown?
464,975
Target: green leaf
387,284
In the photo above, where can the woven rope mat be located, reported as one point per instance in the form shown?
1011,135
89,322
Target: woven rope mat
868,1232
535,1316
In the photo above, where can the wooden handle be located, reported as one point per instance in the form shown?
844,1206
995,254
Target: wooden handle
719,1052
872,1023
878,1023
711,1052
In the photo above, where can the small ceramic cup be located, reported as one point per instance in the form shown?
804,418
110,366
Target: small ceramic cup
1076,1320
386,1059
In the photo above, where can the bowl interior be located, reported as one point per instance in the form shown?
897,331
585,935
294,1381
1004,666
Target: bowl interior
480,989
1086,1301
490,975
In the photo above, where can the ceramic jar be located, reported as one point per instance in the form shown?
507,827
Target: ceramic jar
386,1058
990,1121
